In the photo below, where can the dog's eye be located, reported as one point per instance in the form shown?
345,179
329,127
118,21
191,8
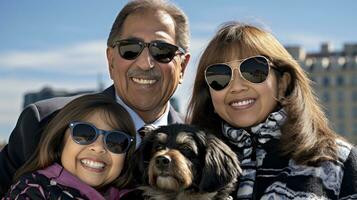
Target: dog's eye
160,147
186,150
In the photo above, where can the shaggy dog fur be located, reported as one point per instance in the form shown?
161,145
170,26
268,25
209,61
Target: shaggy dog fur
183,162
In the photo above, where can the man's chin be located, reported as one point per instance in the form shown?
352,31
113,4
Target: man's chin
148,111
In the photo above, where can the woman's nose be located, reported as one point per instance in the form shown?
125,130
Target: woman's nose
238,83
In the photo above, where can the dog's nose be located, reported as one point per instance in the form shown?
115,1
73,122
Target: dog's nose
163,162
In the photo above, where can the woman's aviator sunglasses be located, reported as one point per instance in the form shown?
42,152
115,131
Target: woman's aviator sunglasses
162,52
84,133
253,69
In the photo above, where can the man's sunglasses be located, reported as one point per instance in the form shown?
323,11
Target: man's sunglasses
253,69
84,133
162,52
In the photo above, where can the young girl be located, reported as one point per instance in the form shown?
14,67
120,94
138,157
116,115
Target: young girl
255,96
82,153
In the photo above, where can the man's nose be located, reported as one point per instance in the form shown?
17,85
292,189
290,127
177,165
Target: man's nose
144,60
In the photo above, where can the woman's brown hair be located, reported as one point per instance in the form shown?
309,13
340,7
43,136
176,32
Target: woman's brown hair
51,143
306,136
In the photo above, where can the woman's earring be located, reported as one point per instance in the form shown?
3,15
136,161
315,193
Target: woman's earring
181,78
281,99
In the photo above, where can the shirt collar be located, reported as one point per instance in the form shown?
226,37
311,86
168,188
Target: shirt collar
138,122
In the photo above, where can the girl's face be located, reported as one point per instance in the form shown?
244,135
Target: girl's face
244,104
93,163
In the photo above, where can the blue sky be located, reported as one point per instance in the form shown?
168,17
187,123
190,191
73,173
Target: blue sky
61,44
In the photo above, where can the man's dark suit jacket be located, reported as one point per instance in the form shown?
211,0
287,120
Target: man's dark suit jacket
27,132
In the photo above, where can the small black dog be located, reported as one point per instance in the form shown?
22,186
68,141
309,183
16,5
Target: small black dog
183,162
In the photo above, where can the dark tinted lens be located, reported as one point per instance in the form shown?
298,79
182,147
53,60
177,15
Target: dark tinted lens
162,52
130,49
255,69
83,133
218,76
117,142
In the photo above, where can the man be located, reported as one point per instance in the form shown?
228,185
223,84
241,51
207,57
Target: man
147,53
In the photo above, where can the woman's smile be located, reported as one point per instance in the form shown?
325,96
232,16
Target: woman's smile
242,104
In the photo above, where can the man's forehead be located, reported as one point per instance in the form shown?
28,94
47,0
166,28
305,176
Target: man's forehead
149,25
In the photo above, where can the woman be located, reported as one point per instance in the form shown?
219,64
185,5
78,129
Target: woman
83,152
250,92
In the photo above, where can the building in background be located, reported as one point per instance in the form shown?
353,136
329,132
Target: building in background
48,92
334,76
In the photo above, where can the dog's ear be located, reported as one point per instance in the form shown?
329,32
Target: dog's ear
221,166
140,159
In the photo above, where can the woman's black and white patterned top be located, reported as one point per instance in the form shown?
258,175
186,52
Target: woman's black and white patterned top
268,175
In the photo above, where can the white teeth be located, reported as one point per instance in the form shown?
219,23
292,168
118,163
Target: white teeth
243,103
93,164
143,81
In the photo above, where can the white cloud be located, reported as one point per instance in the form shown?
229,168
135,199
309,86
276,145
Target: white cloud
87,57
308,41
